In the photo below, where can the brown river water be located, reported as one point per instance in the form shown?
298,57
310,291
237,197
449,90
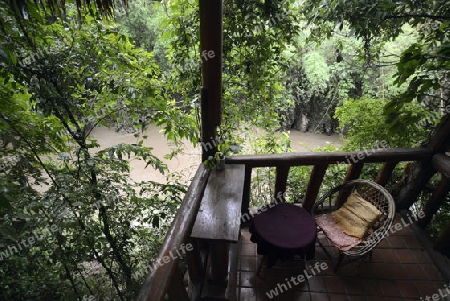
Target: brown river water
187,162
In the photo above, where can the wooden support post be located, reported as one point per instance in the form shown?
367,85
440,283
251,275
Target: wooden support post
352,174
231,293
441,136
196,266
219,253
422,171
417,178
211,58
282,173
435,202
177,291
443,242
218,219
315,180
385,172
354,171
246,193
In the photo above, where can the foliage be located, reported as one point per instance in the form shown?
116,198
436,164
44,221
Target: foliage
316,70
263,179
322,76
255,35
363,122
141,21
66,70
57,86
23,9
424,64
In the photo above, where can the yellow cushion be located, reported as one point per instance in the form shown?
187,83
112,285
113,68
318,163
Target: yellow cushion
356,216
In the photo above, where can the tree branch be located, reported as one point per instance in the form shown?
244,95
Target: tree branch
407,16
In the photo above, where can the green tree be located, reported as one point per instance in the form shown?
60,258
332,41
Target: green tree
423,66
255,35
422,71
141,21
59,83
363,122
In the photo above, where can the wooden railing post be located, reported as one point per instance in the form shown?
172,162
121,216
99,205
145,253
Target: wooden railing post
177,290
352,174
195,263
246,194
417,179
219,257
282,173
443,242
385,172
315,180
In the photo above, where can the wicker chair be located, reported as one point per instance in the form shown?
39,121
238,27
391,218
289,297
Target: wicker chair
371,192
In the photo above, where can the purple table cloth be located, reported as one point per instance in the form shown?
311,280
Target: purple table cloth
284,231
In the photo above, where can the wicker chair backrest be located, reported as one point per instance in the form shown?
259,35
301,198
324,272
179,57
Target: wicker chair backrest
371,192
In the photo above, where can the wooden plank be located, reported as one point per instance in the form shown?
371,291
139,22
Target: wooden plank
156,284
315,158
221,205
436,200
282,173
315,181
211,23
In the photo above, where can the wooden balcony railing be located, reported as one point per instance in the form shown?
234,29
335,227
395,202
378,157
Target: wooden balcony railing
320,162
167,278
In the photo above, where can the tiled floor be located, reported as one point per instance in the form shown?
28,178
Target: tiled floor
400,269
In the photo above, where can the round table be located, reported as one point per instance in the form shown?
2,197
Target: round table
283,231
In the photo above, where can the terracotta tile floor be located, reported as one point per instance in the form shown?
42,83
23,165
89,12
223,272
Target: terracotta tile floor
400,269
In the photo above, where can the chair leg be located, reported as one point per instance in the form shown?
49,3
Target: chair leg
341,257
324,249
261,264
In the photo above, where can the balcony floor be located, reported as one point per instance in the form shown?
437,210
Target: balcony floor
400,269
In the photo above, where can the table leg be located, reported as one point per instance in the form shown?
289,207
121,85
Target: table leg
196,265
263,260
219,252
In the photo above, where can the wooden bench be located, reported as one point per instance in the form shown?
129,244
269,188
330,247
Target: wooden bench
218,225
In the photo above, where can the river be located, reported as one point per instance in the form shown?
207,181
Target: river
187,162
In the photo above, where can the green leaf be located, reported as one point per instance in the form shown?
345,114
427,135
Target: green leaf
155,221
